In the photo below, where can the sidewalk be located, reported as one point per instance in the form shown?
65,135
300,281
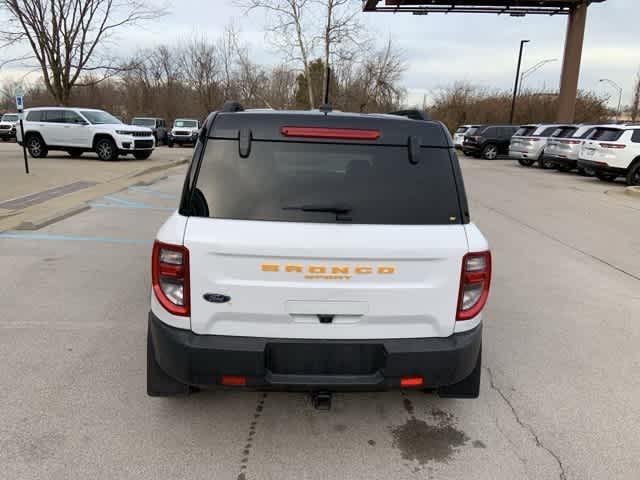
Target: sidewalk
59,186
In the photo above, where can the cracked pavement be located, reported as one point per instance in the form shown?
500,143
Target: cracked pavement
559,393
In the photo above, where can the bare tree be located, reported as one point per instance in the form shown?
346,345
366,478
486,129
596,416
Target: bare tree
288,30
65,35
635,103
342,33
200,63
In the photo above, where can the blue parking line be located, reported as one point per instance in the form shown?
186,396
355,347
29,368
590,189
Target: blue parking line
122,201
72,238
153,192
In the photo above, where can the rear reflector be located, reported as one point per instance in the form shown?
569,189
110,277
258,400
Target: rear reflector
475,279
330,133
233,380
411,382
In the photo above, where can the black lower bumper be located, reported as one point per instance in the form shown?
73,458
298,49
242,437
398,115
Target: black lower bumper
293,364
7,134
182,140
471,149
601,167
556,160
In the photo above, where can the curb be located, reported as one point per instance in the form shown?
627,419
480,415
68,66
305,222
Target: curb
633,191
57,209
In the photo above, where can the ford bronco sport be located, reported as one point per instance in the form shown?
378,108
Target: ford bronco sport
319,251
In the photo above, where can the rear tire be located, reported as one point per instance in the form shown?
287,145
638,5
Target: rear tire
526,162
490,152
542,163
106,150
606,177
633,176
468,387
36,146
159,384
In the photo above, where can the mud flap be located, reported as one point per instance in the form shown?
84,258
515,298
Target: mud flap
159,384
467,388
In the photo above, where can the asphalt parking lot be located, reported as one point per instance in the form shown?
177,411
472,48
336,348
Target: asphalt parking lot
560,387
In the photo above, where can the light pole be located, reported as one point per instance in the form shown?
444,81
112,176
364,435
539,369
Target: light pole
529,71
617,87
515,88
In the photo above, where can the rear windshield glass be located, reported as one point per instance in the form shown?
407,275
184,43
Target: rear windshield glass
326,183
564,132
524,131
606,134
462,129
546,132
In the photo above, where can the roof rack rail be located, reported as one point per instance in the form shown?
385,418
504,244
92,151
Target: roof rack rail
232,106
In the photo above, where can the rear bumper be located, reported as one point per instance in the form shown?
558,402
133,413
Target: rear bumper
601,167
294,364
556,160
472,149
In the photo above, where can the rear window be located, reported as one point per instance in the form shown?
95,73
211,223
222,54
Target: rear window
606,134
564,132
524,131
545,132
462,129
326,183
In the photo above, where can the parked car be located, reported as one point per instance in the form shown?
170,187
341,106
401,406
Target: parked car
488,141
529,142
324,252
612,152
458,135
184,131
79,130
157,126
564,146
8,126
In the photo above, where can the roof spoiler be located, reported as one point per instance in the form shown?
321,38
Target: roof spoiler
413,114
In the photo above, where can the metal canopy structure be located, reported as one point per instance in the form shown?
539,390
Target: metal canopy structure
514,8
576,10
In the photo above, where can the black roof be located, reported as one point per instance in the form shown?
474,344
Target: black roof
267,124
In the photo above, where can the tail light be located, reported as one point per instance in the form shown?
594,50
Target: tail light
170,277
612,145
571,142
474,284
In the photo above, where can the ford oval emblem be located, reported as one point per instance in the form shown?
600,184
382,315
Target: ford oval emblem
216,298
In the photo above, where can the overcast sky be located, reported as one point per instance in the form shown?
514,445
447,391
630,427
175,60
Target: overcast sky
440,49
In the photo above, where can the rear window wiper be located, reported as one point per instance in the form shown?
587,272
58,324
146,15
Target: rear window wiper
337,209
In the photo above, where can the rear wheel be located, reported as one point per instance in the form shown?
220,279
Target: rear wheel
36,146
490,152
542,163
159,384
526,162
106,150
633,177
142,155
606,177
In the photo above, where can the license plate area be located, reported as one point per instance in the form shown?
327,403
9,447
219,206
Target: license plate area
325,359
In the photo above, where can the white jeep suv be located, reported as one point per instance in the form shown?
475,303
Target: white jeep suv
79,130
184,131
319,251
613,151
8,126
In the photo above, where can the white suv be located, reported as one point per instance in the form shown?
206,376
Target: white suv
612,152
529,141
185,130
319,251
8,126
79,130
